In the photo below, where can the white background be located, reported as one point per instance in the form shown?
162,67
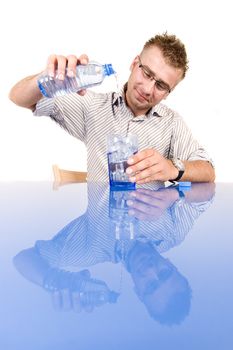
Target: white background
113,32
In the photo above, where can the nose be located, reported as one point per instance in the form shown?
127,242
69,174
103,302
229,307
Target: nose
149,87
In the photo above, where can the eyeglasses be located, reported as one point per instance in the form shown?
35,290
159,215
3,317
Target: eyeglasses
154,284
149,75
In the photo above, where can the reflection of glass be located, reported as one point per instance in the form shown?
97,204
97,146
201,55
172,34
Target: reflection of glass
119,149
122,224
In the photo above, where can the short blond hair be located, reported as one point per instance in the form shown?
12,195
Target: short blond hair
173,50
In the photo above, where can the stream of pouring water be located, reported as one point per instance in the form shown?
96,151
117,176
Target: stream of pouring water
119,109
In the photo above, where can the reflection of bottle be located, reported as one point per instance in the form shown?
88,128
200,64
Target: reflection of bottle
94,292
86,76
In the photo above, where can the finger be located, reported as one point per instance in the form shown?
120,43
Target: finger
56,300
83,59
138,215
135,209
72,61
150,196
66,300
51,65
61,67
147,196
142,161
141,155
145,176
77,307
143,181
142,207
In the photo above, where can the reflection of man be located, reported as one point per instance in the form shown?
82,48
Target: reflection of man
60,264
158,284
168,214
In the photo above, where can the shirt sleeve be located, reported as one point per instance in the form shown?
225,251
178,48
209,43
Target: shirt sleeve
184,146
69,111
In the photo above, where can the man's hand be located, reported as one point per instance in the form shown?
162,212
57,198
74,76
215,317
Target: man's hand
26,93
148,165
62,65
150,205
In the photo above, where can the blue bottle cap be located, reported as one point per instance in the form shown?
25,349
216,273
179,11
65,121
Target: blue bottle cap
108,70
185,184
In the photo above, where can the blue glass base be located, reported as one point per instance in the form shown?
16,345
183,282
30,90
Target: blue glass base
122,186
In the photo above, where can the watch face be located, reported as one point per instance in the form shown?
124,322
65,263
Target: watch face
179,164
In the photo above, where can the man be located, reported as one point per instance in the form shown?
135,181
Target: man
167,149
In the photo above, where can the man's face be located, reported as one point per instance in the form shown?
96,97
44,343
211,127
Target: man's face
142,91
156,280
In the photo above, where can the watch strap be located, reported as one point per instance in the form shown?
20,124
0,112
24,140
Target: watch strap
180,174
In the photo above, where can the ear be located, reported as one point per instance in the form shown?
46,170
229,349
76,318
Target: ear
134,63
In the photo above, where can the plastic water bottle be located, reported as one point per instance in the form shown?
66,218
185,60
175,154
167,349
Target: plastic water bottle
88,75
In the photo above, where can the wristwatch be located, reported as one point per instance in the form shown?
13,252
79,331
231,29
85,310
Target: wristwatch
179,166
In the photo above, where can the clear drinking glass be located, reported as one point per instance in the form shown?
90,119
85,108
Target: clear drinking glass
119,149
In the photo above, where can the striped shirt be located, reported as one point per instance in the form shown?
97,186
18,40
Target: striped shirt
92,117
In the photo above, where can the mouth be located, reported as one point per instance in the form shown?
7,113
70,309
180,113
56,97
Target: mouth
141,97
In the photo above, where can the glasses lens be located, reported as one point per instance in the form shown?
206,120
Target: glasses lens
154,284
151,287
146,73
160,85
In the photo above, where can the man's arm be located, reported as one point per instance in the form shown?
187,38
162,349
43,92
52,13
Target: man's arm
198,171
26,92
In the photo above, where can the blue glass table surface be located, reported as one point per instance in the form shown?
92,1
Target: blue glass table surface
85,268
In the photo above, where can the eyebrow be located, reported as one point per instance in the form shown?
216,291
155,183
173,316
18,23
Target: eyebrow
149,70
155,76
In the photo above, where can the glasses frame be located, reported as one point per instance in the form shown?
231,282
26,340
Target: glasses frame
148,74
163,275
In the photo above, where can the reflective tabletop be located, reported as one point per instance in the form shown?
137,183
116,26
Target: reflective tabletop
83,267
